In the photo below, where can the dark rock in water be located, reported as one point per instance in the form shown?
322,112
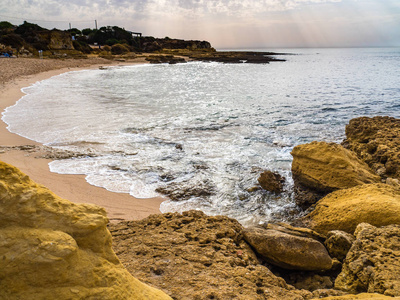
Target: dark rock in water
235,57
178,147
272,182
162,59
376,141
339,243
186,190
288,251
373,262
194,256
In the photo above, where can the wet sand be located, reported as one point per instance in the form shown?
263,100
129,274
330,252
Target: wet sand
21,72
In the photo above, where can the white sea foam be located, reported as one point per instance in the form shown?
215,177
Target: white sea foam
206,124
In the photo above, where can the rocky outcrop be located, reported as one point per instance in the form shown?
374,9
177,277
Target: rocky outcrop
288,251
362,296
151,44
321,168
377,142
194,256
236,57
373,262
338,243
165,59
272,182
376,204
50,246
297,231
179,191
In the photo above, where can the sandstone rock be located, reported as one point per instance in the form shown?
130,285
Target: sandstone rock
339,243
297,231
377,142
179,191
162,59
373,262
377,204
272,182
309,281
325,167
288,251
194,256
50,247
362,296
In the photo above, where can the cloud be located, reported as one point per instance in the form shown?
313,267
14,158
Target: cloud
226,23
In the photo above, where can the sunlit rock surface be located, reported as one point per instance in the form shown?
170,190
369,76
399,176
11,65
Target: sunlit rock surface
50,247
376,204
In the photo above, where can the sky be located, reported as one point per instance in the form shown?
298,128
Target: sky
226,24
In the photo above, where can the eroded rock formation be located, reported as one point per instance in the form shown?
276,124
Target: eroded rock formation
194,256
288,251
362,296
373,262
272,182
320,168
377,204
50,247
377,142
339,243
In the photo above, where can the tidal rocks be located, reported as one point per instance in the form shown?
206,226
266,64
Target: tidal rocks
50,246
373,262
163,59
272,182
288,251
235,57
178,191
194,256
321,168
377,204
377,142
339,243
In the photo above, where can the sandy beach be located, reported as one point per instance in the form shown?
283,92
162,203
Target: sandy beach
22,72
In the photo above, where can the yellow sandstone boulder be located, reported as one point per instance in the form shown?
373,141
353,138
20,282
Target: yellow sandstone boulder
50,247
377,204
327,167
371,296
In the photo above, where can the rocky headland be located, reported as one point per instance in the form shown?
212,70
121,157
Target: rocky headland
114,43
344,245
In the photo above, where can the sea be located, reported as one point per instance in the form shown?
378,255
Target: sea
205,131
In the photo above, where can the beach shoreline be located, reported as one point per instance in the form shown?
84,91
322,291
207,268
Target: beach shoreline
74,188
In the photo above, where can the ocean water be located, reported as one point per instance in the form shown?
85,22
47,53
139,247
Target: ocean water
208,129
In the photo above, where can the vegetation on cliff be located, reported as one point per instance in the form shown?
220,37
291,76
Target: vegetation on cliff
29,38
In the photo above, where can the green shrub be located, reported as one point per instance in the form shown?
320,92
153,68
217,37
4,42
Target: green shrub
82,46
119,49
